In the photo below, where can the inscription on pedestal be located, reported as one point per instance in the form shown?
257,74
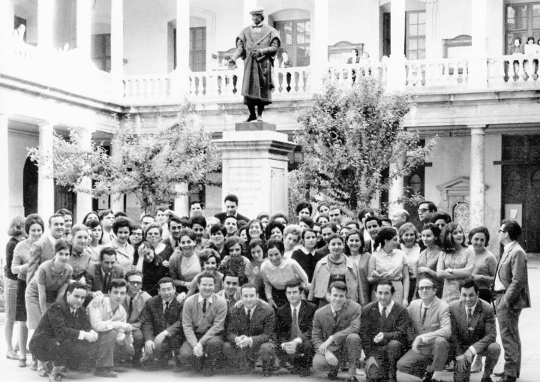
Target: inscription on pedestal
246,183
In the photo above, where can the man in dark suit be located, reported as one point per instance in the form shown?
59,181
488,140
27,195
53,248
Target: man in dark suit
473,332
294,323
511,288
43,249
161,324
231,206
175,225
371,225
335,333
432,327
64,334
327,230
383,331
105,271
250,333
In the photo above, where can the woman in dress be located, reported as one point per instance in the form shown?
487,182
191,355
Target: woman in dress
335,267
34,227
209,260
354,249
94,245
80,259
217,238
277,272
291,237
124,251
136,239
184,264
48,285
455,263
153,258
17,234
257,250
305,255
408,236
254,230
390,263
429,257
233,258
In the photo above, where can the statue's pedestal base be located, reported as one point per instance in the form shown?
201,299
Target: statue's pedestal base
255,160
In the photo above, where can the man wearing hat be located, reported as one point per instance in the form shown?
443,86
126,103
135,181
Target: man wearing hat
257,45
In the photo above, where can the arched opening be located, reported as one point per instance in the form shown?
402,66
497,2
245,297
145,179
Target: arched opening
30,187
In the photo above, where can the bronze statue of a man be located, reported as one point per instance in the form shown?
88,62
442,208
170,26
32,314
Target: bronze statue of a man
257,45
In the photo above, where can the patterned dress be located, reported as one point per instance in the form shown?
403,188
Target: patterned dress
456,260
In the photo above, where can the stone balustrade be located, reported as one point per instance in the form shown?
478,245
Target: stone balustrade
68,73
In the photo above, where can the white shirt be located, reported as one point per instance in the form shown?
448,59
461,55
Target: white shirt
498,286
388,308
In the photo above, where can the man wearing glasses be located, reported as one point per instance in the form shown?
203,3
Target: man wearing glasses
134,305
432,327
425,211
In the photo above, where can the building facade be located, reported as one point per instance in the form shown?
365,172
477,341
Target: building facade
94,65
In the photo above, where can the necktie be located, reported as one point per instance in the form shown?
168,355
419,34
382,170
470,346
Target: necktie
248,315
469,316
167,313
106,283
383,319
424,315
130,306
294,328
204,306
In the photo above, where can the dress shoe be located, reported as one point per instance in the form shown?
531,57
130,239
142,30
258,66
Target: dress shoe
486,378
352,378
477,365
333,373
104,373
251,118
427,376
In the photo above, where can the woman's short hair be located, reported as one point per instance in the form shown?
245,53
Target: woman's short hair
152,226
447,237
120,222
248,226
476,230
199,219
60,245
78,227
207,254
307,221
530,38
441,215
85,219
335,236
292,229
187,232
16,226
271,225
31,220
434,228
263,215
275,243
306,231
384,234
353,232
231,242
303,205
103,213
218,228
406,227
256,243
322,216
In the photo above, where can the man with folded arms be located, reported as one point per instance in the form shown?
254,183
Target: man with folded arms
109,318
473,332
335,333
384,334
64,334
432,327
250,333
203,320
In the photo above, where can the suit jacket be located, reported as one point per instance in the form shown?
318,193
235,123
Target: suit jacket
324,325
305,321
396,326
139,300
58,324
437,322
261,329
41,251
320,253
223,215
512,271
94,269
483,329
153,319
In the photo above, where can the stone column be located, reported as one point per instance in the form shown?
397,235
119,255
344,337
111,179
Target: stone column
84,33
249,5
182,46
45,24
396,190
45,181
84,201
477,187
181,204
255,160
396,63
478,72
117,200
319,46
4,167
117,36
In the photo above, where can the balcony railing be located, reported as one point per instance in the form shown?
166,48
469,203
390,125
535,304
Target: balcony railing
68,73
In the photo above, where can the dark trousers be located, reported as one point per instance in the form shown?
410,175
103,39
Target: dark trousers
430,358
68,353
350,351
169,345
381,363
492,354
301,359
138,343
213,350
107,349
509,326
249,355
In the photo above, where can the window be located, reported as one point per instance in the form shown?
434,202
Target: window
416,35
295,38
522,20
101,51
197,49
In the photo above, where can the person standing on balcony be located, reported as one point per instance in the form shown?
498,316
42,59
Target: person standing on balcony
257,45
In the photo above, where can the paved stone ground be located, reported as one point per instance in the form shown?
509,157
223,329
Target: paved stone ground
530,371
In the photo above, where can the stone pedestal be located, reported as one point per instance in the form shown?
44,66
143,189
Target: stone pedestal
255,167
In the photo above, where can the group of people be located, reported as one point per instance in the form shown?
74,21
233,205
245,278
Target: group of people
207,293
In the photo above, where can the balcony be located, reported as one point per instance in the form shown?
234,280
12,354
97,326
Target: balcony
65,74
